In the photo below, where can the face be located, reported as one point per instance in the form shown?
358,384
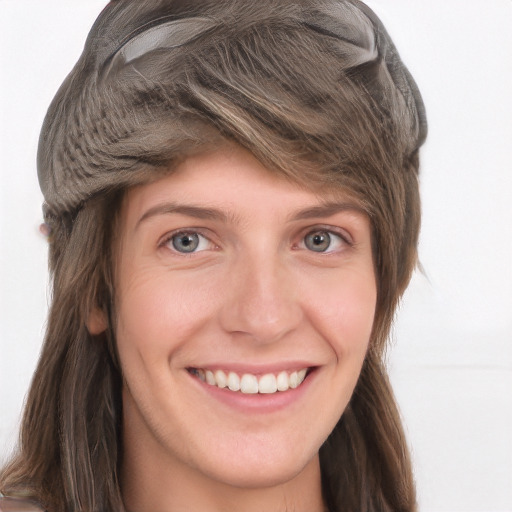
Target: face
245,305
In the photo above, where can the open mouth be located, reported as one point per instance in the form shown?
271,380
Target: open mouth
252,384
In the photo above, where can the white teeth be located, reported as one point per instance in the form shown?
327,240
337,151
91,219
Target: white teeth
233,381
222,380
297,378
210,378
283,382
267,383
251,384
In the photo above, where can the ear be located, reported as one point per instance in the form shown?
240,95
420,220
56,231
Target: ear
97,322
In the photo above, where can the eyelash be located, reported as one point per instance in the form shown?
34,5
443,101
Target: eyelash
168,240
343,239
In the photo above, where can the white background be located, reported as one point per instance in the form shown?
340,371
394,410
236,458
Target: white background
451,361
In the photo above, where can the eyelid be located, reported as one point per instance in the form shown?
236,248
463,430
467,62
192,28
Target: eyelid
328,228
165,241
338,232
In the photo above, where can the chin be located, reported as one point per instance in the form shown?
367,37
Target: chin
256,468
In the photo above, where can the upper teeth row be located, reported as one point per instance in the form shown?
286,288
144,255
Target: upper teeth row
251,384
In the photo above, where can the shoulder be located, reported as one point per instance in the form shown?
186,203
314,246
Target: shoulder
18,505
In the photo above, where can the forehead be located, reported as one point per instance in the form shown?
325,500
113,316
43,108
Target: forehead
232,176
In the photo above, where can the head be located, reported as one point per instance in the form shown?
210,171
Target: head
314,91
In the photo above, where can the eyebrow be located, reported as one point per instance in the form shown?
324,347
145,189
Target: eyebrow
328,209
200,212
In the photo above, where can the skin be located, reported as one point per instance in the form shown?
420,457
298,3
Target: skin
253,297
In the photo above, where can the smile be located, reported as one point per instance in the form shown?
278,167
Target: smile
251,384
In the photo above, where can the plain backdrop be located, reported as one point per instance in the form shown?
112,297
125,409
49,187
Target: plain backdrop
451,355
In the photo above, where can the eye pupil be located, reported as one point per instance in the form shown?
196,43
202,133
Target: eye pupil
185,242
318,241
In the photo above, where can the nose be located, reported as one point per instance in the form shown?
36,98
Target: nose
263,302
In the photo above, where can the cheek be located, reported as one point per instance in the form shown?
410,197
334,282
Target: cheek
158,312
342,308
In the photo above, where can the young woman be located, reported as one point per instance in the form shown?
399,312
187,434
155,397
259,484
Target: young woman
231,192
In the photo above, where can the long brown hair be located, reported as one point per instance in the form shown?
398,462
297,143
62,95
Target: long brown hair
316,91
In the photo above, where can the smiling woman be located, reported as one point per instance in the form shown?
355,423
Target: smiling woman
232,196
252,305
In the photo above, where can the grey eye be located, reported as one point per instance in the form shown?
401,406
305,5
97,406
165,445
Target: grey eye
185,242
318,241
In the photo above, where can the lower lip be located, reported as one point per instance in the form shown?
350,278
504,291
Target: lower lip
258,403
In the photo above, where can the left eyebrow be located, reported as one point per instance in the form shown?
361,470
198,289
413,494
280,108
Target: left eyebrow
327,210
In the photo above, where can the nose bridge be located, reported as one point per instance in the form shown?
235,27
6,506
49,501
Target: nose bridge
264,302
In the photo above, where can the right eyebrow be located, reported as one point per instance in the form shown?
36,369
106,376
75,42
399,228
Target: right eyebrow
198,212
